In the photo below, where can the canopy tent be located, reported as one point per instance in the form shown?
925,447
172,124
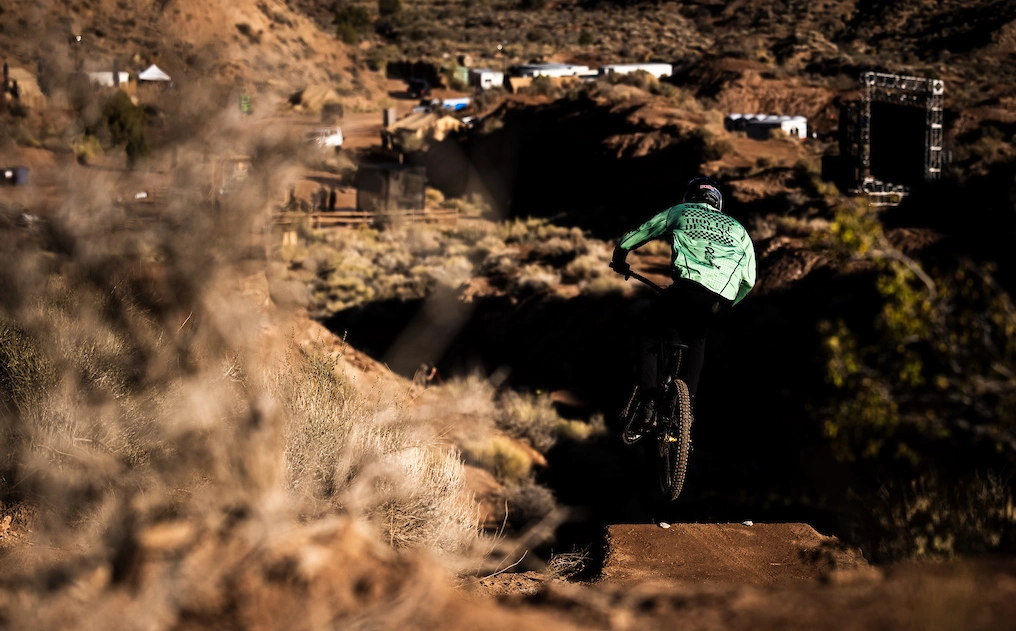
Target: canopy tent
153,73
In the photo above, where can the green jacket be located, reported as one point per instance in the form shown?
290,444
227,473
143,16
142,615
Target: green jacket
709,248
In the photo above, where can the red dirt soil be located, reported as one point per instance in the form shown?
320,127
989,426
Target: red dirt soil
759,554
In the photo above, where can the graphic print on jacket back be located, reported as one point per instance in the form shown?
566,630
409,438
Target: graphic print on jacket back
710,227
709,247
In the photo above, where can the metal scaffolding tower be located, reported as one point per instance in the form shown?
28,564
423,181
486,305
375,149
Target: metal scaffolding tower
916,92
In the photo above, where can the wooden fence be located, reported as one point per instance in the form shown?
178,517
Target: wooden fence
338,218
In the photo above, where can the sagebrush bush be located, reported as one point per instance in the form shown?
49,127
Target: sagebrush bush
535,279
529,502
534,419
502,456
530,417
929,519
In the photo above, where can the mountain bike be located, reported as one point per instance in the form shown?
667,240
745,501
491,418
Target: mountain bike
667,417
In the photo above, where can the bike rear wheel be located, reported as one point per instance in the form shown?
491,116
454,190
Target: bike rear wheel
675,442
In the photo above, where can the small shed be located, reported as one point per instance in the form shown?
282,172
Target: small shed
485,78
760,126
105,79
658,70
552,70
390,186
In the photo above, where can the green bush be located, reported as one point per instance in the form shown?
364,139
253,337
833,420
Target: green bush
126,124
388,7
928,518
86,148
935,370
543,86
350,22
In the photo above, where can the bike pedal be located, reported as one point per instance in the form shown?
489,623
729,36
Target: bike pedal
630,438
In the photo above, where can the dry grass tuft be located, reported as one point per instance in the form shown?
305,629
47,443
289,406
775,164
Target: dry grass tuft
350,453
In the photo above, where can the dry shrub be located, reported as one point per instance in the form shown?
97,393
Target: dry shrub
558,251
502,456
611,284
762,227
472,206
530,417
465,410
500,263
533,418
639,79
528,503
347,453
474,397
176,471
592,264
535,279
544,86
928,519
481,419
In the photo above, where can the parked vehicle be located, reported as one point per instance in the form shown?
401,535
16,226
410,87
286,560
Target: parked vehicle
448,105
325,137
418,88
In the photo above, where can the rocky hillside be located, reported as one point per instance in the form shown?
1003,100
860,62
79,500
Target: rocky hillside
260,44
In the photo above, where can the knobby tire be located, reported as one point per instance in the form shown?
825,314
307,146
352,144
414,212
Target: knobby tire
675,443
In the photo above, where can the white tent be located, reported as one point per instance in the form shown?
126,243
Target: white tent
153,73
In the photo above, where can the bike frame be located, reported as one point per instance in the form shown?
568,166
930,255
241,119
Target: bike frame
667,351
672,415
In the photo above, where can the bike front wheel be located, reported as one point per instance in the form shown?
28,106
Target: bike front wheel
675,442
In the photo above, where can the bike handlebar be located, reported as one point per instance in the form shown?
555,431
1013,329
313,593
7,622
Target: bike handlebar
641,278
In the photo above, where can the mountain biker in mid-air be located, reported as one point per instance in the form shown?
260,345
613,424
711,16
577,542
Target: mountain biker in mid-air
713,269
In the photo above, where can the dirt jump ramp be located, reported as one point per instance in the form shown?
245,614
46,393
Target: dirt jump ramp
757,554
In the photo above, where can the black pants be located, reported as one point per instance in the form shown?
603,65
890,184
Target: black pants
681,314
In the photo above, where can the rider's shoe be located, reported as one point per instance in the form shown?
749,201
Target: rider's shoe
640,424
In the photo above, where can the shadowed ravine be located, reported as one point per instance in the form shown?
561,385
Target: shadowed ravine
755,456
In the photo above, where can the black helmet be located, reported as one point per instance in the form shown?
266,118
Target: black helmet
706,191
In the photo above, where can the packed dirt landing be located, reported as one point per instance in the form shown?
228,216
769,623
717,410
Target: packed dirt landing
756,554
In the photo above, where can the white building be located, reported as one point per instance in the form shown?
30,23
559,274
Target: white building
105,79
657,70
485,78
552,70
760,126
